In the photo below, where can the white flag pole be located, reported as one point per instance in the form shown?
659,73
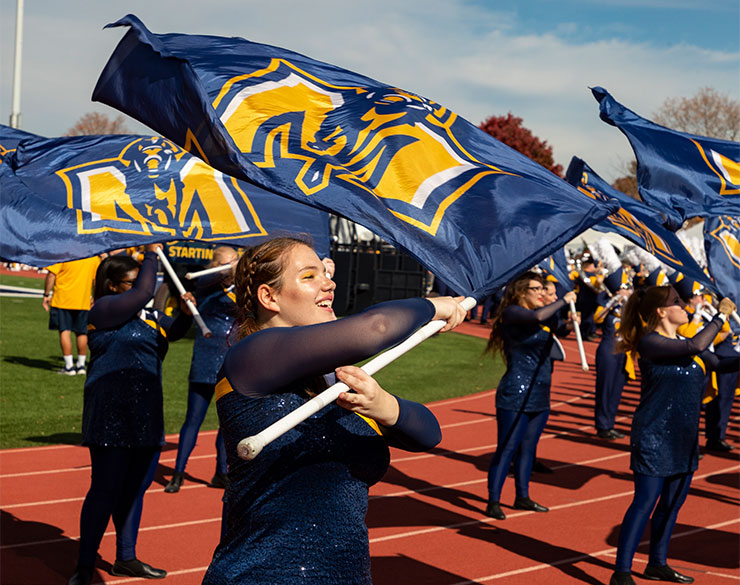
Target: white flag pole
250,447
204,272
181,289
581,351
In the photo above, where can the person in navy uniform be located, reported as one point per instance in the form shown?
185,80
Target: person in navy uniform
612,368
122,416
522,332
296,513
665,428
216,305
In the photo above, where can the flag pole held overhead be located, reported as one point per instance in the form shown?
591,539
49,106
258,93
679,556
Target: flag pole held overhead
205,272
181,289
250,447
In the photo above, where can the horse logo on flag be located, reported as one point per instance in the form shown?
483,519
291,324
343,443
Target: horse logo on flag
403,150
155,187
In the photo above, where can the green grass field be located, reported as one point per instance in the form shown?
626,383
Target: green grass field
39,406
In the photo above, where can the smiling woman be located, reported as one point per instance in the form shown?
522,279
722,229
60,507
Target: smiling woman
298,511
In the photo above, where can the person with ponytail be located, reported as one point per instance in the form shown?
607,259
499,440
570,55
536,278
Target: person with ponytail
122,413
522,333
296,513
665,428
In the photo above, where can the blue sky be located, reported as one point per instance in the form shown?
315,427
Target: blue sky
535,58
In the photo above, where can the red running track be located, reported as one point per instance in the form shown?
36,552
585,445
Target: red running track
426,518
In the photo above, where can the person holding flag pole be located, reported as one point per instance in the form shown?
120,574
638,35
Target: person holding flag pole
665,428
522,333
297,512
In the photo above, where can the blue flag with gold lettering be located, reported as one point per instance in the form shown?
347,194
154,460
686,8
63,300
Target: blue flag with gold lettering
470,209
73,197
681,175
722,245
636,222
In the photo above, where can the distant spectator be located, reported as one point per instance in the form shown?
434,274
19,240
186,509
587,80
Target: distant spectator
71,284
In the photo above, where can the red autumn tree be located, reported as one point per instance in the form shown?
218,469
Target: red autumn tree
95,123
509,130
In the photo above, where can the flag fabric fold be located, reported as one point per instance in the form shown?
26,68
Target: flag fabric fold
73,197
467,207
681,175
636,222
722,244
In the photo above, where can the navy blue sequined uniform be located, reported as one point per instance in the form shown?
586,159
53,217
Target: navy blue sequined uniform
123,389
528,340
296,513
665,426
523,394
122,420
664,439
217,307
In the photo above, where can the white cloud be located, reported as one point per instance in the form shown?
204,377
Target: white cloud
476,62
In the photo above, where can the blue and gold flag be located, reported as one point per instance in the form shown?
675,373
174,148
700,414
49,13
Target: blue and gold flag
10,138
556,266
722,244
470,209
636,222
681,175
73,197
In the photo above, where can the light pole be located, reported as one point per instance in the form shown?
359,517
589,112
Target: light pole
15,112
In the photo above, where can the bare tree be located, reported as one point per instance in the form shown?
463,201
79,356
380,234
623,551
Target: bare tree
628,183
708,113
95,123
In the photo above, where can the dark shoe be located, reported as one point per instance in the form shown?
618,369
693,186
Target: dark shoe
665,573
493,510
539,467
620,578
721,446
528,504
174,484
220,480
82,576
135,568
609,434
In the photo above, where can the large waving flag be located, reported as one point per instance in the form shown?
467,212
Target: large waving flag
636,222
73,197
722,244
556,266
10,138
681,175
467,207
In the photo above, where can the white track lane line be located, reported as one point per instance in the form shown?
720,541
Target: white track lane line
487,520
484,520
600,553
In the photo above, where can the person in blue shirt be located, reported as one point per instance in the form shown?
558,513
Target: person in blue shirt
122,416
296,513
216,305
522,332
664,441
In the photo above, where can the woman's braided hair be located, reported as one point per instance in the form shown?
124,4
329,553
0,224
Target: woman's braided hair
261,264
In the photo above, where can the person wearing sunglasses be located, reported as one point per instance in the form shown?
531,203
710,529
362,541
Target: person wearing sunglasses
664,441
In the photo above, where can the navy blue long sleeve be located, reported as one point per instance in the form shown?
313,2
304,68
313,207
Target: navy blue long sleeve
518,315
272,358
